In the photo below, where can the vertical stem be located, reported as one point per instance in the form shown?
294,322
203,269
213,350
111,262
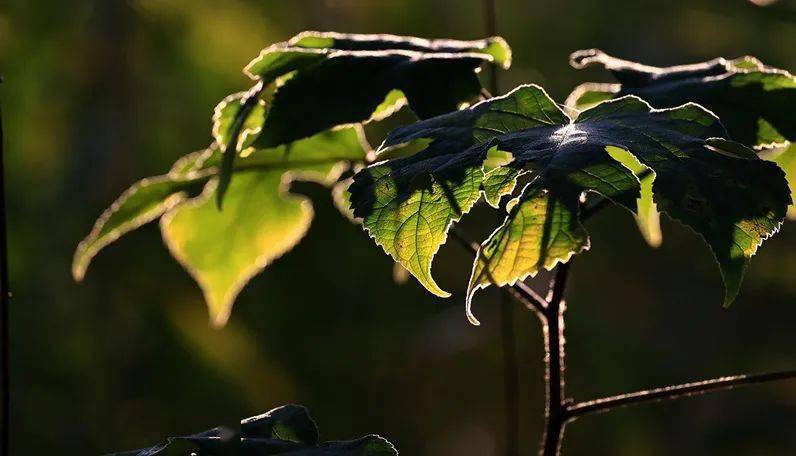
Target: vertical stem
490,24
553,327
510,375
5,295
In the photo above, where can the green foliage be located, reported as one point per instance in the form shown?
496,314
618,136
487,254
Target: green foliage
754,101
318,81
288,430
342,79
296,123
300,121
717,187
223,249
540,230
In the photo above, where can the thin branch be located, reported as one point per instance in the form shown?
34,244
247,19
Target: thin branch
5,297
555,354
675,392
490,23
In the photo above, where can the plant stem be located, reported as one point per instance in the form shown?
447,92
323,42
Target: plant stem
675,392
555,352
490,24
511,375
5,297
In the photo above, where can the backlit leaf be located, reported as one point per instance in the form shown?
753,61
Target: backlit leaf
409,203
717,187
143,202
753,101
337,79
786,159
260,221
223,249
318,81
541,230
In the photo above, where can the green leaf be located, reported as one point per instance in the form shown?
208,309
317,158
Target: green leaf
408,204
371,445
143,202
541,230
717,187
231,109
286,430
325,80
237,120
647,216
336,79
786,159
753,101
223,249
289,422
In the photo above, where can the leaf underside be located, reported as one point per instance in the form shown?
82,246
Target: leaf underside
331,79
288,430
718,188
753,100
224,249
300,120
319,81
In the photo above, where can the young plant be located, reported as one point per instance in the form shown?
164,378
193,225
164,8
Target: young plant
645,145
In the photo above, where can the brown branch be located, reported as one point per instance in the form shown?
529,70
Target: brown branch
555,354
675,392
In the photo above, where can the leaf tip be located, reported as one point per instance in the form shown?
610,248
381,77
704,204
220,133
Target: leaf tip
469,311
79,270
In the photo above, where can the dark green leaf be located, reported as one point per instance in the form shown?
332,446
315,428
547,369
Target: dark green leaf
289,422
718,188
754,101
287,430
336,79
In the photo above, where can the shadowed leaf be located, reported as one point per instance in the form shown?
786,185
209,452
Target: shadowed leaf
541,230
288,430
647,216
324,80
753,101
786,159
717,187
409,203
336,79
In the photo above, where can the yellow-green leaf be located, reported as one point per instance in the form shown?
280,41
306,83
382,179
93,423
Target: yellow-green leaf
223,249
541,230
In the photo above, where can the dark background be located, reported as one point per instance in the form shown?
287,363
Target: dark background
100,93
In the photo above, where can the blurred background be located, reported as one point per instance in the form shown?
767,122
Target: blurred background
99,93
